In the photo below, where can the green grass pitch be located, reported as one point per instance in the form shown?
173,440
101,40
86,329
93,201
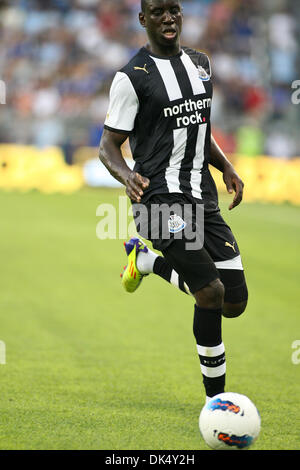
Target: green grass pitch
89,366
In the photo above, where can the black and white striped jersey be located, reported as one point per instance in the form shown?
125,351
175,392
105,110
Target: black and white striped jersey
164,104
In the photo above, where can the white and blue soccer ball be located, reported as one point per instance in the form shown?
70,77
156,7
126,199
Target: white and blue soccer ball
229,421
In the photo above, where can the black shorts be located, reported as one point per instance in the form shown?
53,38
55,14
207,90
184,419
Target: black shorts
196,243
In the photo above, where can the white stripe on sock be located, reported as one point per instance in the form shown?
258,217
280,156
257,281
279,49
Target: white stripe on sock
187,290
215,351
211,351
213,372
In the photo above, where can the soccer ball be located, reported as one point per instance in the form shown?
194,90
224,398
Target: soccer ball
229,421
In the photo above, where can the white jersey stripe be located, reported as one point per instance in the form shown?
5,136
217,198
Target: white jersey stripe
196,82
169,78
172,172
196,176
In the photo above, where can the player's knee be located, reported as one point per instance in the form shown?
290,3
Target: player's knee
234,310
236,298
211,296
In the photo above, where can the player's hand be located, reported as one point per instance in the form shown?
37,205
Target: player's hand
233,184
135,186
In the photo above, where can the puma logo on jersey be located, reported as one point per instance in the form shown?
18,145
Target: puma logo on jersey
142,68
231,246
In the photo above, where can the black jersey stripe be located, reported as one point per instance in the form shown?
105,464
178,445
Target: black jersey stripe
182,78
187,162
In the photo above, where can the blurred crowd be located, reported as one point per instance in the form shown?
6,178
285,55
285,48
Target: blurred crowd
58,58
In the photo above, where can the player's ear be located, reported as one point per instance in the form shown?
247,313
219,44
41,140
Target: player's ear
142,19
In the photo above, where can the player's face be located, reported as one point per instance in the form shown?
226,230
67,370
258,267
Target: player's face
163,22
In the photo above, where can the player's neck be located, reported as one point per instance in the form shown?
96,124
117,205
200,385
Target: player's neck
163,51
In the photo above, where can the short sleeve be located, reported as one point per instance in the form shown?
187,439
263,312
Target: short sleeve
123,105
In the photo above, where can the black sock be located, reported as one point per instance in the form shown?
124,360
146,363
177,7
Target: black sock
211,351
163,269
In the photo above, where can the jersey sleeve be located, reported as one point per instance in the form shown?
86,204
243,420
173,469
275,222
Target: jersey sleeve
123,105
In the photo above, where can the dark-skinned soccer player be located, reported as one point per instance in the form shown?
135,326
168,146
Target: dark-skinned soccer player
162,101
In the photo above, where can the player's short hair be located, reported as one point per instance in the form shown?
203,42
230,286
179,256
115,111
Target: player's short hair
144,3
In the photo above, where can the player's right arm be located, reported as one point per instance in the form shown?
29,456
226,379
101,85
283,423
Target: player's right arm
119,123
111,156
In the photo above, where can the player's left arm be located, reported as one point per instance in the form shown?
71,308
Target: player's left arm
231,179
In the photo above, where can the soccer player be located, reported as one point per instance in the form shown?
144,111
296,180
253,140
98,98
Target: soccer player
162,100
